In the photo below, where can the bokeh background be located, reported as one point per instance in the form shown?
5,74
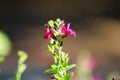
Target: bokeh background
96,23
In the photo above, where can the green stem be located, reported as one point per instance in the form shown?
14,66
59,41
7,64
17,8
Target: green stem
59,52
21,66
62,73
56,50
18,76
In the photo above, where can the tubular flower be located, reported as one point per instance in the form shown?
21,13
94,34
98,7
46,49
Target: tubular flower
49,34
66,30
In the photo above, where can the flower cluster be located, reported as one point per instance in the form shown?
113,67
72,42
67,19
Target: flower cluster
58,29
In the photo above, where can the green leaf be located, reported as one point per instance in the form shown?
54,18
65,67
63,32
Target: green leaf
68,76
69,67
66,55
57,76
54,66
64,64
67,59
50,71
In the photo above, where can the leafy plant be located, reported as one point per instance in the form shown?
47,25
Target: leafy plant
116,76
56,32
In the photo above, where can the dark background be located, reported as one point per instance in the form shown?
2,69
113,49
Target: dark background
21,14
96,22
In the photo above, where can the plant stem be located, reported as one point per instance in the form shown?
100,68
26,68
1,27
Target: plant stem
18,76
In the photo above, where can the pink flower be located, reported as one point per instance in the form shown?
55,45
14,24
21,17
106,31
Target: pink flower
66,30
92,64
48,34
114,78
62,22
88,64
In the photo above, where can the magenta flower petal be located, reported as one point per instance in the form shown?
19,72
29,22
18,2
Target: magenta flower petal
62,22
68,26
48,35
67,30
72,32
92,64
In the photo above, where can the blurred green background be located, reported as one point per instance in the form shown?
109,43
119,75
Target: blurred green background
97,23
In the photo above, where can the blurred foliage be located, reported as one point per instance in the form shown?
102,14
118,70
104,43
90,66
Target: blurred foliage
85,65
21,65
5,45
113,74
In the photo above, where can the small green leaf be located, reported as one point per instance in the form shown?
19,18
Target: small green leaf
67,59
66,55
69,67
68,76
50,71
64,64
54,66
57,76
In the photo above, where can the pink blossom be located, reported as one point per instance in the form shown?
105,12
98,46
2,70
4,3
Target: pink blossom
48,34
114,78
66,30
92,64
62,22
88,64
